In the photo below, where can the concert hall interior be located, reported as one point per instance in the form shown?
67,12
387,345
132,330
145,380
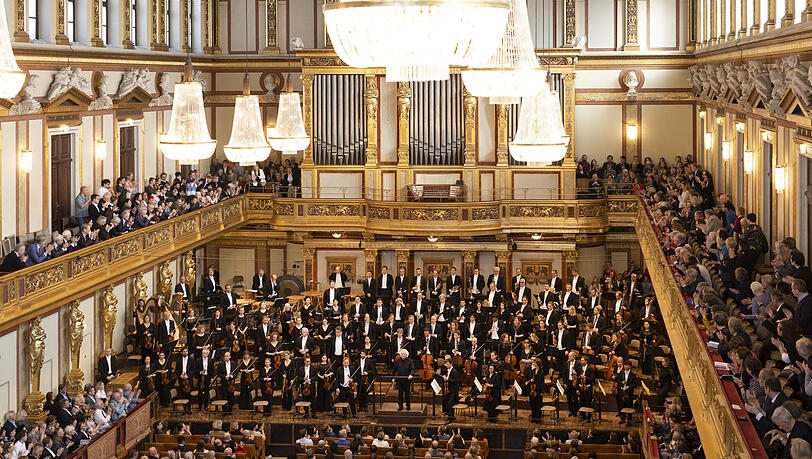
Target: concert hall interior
479,229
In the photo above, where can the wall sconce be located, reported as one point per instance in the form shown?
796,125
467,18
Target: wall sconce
535,236
702,114
766,135
101,149
740,126
337,235
780,178
708,140
631,132
726,146
747,160
26,161
803,148
433,238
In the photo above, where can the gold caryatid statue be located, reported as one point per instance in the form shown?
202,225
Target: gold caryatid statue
36,351
189,269
109,303
77,331
165,284
139,293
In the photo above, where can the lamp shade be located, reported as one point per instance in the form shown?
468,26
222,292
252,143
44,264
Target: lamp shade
12,78
780,178
416,40
26,161
513,70
188,139
747,161
540,137
248,144
289,135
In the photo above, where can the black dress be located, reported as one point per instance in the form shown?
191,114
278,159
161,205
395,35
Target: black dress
163,382
146,382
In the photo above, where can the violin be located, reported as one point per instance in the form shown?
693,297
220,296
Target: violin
235,347
489,394
149,343
187,385
269,387
285,384
248,377
306,388
165,377
533,389
277,360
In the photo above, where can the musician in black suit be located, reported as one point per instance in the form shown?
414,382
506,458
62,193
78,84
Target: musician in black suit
569,297
449,379
305,344
457,346
493,296
306,376
273,288
385,286
379,313
339,278
183,287
578,283
357,310
471,329
402,285
435,285
586,378
166,333
420,309
403,373
497,279
626,382
556,283
205,371
209,284
337,346
228,301
524,312
108,366
429,344
331,294
260,283
364,374
453,286
569,374
476,283
226,371
369,285
344,378
523,291
418,283
185,371
546,295
263,334
515,280
593,300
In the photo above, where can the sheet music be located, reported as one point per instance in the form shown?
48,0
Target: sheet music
434,385
478,384
558,385
517,387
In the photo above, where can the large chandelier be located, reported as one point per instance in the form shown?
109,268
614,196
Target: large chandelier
11,77
188,140
513,70
540,138
416,40
248,144
289,135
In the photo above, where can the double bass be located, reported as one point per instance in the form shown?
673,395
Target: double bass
427,372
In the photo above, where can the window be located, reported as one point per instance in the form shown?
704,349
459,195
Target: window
32,19
104,35
70,28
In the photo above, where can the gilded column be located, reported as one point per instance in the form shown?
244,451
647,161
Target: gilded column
204,19
95,32
307,254
470,104
722,22
76,326
190,269
158,23
36,351
693,29
703,26
371,259
632,44
502,135
214,23
371,94
61,37
569,23
743,18
307,114
403,260
404,94
109,308
570,256
731,35
769,24
569,110
127,40
185,27
21,21
271,39
712,24
468,263
502,259
789,13
154,19
756,27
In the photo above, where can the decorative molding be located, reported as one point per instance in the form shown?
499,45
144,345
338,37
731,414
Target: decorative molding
85,263
209,218
429,214
67,78
126,248
185,227
485,213
135,78
323,62
271,39
329,210
591,211
44,279
262,204
569,22
537,211
614,206
378,213
158,237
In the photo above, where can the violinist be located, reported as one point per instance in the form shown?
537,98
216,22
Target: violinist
146,336
266,383
191,324
246,381
462,313
200,341
218,323
325,377
591,343
263,334
586,378
505,347
449,379
517,330
163,382
205,370
365,375
367,346
333,314
357,310
285,375
598,319
234,340
366,329
525,312
242,321
526,355
553,315
323,332
389,328
228,301
286,318
626,382
274,349
184,371
649,311
617,304
573,369
493,392
534,377
306,375
146,376
572,320
166,332
345,385
457,348
472,329
560,339
620,322
296,332
648,344
495,330
305,344
227,374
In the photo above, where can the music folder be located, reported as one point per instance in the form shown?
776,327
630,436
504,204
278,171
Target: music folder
478,384
517,387
558,385
435,386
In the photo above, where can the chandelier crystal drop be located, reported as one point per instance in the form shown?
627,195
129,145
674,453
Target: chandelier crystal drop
540,138
248,144
512,71
416,40
12,78
188,140
289,135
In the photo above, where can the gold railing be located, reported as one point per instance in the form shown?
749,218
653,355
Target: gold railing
39,289
715,421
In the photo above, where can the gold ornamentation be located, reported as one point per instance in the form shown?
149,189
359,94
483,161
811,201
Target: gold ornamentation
36,352
378,213
125,248
260,204
536,271
139,293
328,210
622,206
404,101
323,62
631,22
76,324
347,265
157,237
21,17
470,104
185,227
371,94
536,211
308,252
209,218
88,262
370,254
189,270
60,17
569,21
557,60
271,40
591,211
485,213
468,255
502,255
283,209
136,426
570,255
231,209
109,308
502,134
44,279
429,214
165,280
402,254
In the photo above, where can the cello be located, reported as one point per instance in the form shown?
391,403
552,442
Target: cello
427,372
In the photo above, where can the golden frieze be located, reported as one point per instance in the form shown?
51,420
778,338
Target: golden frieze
592,211
328,210
209,218
429,214
485,213
323,62
378,213
44,279
536,211
86,263
622,206
260,204
157,237
283,209
185,227
125,248
231,209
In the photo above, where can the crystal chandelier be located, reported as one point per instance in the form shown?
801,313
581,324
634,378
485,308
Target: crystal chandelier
513,70
416,40
188,140
540,138
248,144
289,135
11,77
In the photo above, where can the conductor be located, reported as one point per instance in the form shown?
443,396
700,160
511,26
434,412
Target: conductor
404,371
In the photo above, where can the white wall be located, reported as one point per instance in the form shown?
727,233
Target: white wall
8,379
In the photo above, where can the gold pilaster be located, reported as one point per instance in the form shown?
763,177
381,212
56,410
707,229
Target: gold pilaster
502,258
61,23
76,324
631,43
570,256
95,12
185,27
470,104
743,18
36,351
127,40
404,94
204,19
703,26
307,254
756,27
712,24
157,12
403,259
693,27
769,24
307,114
731,35
190,269
789,13
371,259
502,135
21,22
214,24
569,111
371,94
569,23
468,263
271,39
722,22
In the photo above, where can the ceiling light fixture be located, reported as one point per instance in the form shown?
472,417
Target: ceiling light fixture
540,137
248,144
12,78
